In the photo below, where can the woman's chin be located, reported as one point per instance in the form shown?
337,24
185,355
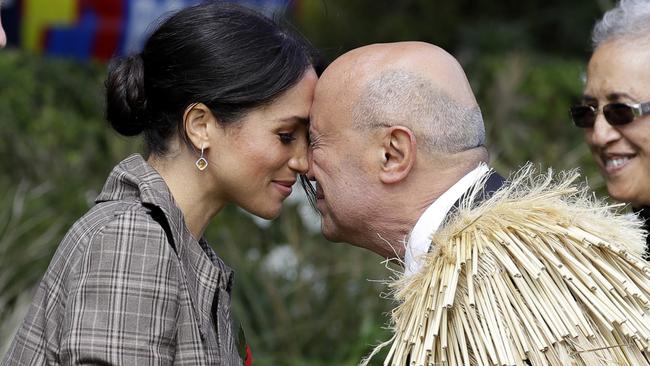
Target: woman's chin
623,195
266,209
269,214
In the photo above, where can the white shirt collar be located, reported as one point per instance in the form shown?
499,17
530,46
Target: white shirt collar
420,238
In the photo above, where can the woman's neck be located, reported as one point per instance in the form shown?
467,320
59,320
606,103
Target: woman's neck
190,190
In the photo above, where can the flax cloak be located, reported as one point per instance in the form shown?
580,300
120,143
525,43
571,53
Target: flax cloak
541,273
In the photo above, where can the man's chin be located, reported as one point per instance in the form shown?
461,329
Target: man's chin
320,205
327,234
330,231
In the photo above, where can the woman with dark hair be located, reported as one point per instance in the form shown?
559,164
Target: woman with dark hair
222,97
615,108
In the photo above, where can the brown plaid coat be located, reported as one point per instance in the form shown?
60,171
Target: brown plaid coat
129,285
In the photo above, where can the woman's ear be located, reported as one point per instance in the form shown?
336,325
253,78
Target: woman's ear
196,121
399,149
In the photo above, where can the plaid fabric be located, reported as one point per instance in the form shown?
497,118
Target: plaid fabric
129,285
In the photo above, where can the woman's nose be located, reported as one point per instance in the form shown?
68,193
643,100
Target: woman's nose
603,133
300,160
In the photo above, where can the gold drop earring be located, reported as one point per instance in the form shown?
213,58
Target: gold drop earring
201,163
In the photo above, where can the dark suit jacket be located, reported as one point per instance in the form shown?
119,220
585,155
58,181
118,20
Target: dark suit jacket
494,182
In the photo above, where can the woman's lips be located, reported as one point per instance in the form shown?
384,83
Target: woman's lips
285,187
615,163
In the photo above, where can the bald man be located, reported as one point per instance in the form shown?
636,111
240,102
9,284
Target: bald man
397,137
495,274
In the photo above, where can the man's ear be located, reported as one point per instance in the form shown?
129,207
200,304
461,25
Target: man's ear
399,148
196,122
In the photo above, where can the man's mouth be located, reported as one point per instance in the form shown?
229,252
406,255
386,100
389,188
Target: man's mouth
319,192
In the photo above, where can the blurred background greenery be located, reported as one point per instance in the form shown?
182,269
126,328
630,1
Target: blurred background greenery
303,300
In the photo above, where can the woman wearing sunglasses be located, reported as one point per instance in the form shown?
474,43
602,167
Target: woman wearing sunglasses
615,108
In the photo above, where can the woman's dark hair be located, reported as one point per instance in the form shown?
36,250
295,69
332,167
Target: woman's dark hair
230,58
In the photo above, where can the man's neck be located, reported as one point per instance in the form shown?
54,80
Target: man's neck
403,205
388,229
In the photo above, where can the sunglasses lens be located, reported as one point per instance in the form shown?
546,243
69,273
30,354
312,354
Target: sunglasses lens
583,116
618,113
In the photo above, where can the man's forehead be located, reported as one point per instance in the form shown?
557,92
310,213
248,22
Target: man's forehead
324,117
332,100
338,83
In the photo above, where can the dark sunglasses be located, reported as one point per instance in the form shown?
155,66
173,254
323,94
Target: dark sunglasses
616,114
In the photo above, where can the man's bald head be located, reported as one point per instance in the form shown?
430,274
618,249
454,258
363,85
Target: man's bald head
393,126
413,84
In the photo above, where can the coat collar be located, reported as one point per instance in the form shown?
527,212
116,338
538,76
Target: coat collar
134,179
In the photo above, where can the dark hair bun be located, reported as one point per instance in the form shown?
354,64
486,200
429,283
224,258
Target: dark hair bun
228,57
126,102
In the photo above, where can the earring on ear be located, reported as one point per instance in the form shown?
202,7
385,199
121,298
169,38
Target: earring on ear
201,163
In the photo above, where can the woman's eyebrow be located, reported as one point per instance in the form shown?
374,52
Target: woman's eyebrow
620,95
588,98
300,119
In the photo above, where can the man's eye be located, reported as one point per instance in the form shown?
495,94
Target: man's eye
313,141
286,138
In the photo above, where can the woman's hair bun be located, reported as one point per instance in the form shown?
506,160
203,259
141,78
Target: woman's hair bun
126,102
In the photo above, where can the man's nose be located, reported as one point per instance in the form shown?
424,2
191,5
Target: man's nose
603,133
310,162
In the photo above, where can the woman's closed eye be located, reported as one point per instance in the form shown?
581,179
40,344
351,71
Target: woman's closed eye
286,137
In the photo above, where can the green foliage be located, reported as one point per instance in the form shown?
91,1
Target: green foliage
55,154
303,301
550,26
